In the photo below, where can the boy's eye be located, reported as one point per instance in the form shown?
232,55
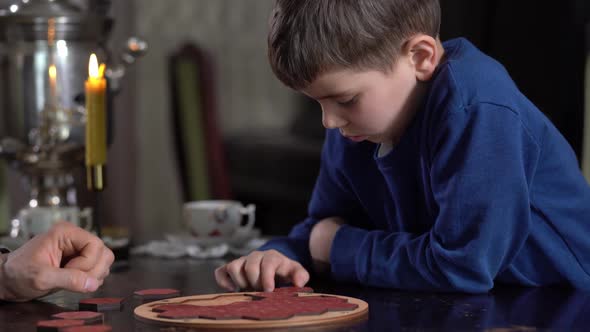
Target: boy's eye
348,102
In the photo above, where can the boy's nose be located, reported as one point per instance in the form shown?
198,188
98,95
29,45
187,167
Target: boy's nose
331,120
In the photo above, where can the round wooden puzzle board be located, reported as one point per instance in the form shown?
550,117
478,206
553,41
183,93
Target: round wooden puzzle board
144,313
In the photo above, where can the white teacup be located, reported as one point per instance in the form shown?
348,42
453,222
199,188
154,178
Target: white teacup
217,218
36,220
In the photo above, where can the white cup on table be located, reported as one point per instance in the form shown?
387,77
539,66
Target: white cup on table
222,219
36,220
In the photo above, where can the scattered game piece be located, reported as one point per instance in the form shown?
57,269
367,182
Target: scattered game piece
157,293
55,325
101,304
89,317
88,328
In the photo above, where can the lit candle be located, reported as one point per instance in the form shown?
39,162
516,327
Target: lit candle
52,85
96,138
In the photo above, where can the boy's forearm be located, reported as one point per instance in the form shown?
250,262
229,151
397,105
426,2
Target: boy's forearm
320,242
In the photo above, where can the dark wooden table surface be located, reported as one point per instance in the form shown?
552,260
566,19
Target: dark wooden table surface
503,309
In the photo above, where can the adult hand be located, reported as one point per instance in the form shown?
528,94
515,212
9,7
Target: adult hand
258,271
65,257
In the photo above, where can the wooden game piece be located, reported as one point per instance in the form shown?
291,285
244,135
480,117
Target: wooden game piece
89,317
252,311
293,290
55,325
220,313
262,309
156,293
269,315
181,313
101,304
284,291
88,328
168,307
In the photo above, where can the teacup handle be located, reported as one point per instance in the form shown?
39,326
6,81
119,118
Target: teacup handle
86,218
248,210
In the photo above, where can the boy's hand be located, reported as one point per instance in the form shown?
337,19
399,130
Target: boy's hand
320,242
65,257
258,271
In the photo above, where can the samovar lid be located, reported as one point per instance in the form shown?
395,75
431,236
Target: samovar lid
28,20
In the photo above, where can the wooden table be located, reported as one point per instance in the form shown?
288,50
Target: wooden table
505,308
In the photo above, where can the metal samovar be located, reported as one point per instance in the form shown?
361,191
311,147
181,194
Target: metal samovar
45,47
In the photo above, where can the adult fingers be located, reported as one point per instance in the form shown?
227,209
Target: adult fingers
84,248
108,259
223,279
70,279
102,268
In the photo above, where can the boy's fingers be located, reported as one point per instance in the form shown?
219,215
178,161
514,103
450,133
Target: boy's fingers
223,279
268,269
252,269
70,279
236,272
293,272
301,277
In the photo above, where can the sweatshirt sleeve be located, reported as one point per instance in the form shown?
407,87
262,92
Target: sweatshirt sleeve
481,163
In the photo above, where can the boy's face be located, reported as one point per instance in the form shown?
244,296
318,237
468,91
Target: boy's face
367,105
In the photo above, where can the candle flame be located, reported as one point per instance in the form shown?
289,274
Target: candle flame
52,72
101,69
93,67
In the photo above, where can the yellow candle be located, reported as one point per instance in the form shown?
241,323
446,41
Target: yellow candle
52,85
96,138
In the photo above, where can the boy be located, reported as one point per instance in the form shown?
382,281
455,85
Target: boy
437,173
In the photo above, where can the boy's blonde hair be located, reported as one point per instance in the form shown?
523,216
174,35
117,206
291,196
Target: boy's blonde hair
309,37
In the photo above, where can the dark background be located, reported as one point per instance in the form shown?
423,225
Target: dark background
541,43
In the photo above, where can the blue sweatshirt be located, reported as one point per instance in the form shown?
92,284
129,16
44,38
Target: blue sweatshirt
481,188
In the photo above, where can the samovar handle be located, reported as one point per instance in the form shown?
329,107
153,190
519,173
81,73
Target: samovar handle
135,48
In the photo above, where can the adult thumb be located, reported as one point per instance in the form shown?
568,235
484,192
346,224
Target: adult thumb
72,280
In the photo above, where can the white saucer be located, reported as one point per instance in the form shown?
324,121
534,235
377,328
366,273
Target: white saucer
239,239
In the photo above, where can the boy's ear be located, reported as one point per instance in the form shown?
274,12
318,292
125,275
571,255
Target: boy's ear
424,54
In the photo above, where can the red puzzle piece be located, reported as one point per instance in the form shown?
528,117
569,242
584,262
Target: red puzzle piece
101,304
89,317
88,328
55,325
157,293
